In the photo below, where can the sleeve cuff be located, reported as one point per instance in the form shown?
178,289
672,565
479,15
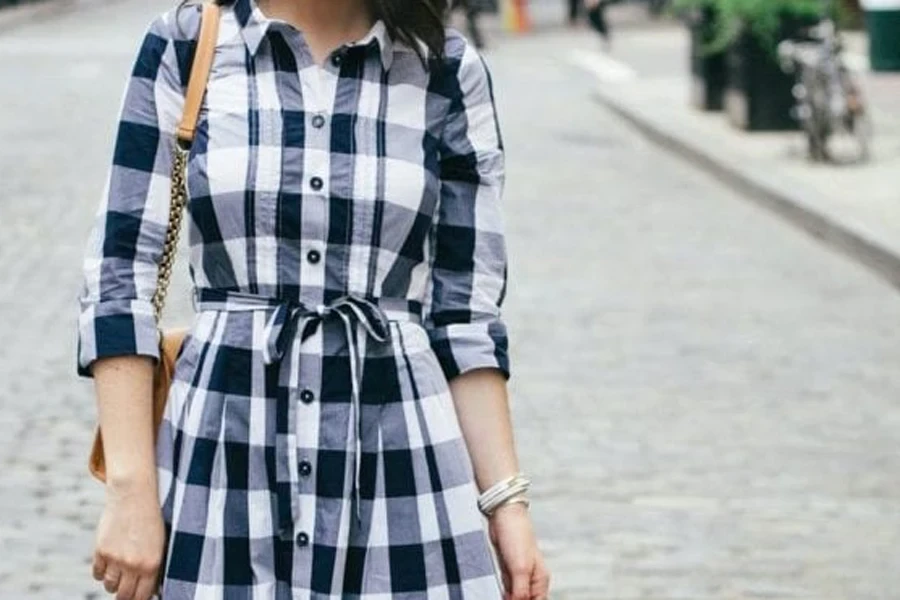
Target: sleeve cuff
464,347
116,328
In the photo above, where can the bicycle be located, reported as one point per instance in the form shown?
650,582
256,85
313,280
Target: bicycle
830,104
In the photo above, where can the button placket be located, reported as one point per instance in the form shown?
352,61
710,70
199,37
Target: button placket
316,182
317,130
315,186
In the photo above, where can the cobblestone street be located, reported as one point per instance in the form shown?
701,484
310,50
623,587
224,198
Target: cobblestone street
707,399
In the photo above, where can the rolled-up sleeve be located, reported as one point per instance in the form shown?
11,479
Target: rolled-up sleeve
469,272
126,242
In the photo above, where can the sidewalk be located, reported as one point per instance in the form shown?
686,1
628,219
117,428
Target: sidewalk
646,79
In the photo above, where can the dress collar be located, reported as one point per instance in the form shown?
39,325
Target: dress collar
254,25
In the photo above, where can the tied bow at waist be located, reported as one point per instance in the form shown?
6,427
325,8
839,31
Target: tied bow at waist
288,320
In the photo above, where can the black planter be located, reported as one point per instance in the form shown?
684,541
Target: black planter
758,94
708,69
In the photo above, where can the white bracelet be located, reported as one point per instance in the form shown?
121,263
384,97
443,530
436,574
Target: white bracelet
503,492
501,489
498,488
488,507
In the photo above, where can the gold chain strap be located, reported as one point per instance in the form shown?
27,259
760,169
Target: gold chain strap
193,97
178,192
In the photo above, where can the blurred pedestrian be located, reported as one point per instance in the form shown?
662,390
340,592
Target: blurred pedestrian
596,13
575,7
472,11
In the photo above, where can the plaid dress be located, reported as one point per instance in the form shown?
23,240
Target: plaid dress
347,256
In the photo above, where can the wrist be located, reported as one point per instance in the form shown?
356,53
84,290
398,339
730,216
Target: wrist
509,510
131,481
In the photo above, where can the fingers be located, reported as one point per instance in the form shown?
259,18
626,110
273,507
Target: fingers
127,585
99,569
540,581
111,579
521,582
146,588
136,583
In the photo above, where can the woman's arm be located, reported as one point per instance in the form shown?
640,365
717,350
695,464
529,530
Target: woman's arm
118,340
124,388
131,535
467,333
482,407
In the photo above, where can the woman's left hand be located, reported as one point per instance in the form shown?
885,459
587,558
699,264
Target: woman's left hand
521,563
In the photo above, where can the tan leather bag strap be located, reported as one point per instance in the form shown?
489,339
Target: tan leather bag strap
203,58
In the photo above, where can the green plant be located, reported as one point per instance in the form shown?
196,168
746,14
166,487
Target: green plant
763,18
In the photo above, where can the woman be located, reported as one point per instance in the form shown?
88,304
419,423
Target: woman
346,367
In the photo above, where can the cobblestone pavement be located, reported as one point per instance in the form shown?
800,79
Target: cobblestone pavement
707,399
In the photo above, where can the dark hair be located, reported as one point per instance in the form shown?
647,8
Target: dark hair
408,21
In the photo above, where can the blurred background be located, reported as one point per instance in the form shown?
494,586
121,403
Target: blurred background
704,230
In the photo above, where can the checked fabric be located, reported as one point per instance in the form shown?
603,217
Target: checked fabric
348,259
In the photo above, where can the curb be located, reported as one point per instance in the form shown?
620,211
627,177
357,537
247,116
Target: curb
785,198
15,16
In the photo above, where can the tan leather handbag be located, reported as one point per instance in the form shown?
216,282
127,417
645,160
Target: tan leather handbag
170,341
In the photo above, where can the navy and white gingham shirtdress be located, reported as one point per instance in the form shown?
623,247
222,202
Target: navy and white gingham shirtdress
347,256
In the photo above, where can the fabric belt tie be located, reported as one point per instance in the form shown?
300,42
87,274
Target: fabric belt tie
289,319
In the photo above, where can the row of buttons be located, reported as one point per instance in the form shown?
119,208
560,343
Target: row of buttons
306,396
313,256
305,471
305,467
318,121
